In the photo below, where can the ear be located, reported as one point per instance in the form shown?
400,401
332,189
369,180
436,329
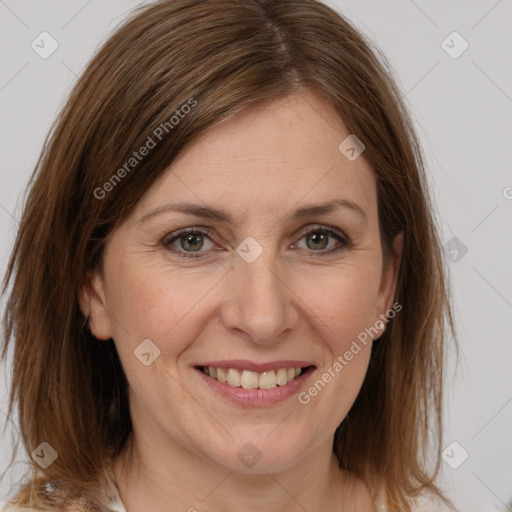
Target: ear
93,304
389,277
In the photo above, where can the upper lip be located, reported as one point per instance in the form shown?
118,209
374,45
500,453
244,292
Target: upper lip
242,364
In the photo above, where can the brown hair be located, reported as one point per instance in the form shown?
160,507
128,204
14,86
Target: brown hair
223,55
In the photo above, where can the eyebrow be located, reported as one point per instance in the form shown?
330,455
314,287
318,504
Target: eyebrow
223,216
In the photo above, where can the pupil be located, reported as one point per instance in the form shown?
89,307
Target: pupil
316,238
192,240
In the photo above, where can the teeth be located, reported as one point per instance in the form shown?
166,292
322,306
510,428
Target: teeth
221,375
233,377
268,380
249,380
281,377
253,380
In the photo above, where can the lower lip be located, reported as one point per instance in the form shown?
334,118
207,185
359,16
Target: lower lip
257,397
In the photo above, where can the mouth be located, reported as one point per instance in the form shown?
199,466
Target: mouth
249,384
248,379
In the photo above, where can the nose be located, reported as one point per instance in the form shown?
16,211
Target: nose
259,301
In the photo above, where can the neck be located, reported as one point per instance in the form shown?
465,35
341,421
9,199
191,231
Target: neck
153,474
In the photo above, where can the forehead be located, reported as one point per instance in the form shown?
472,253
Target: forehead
271,155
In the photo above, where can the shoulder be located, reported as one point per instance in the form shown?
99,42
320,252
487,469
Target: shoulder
73,507
10,507
16,508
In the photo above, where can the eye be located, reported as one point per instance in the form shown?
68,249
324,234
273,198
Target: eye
318,241
187,242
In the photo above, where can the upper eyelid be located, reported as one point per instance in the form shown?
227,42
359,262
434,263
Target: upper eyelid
180,232
332,231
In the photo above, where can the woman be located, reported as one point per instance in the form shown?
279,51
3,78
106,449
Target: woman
227,285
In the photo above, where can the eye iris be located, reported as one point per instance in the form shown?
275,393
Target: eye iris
319,237
192,239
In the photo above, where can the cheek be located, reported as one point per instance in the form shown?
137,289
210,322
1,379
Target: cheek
344,304
345,309
159,304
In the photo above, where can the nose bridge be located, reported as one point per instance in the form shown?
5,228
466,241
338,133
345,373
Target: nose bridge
259,301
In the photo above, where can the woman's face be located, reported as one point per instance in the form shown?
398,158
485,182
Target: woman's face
249,292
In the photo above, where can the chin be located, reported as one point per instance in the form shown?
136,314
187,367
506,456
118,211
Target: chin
259,455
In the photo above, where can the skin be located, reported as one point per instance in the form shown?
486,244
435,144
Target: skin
290,303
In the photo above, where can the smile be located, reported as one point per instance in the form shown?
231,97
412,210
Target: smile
248,379
250,384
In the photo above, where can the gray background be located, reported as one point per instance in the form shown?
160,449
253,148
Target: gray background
462,108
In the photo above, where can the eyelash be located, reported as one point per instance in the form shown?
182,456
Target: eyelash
169,239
